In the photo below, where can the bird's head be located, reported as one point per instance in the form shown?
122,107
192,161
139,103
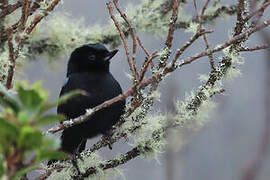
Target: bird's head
90,58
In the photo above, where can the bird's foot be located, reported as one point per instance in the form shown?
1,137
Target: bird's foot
126,137
74,160
107,138
78,155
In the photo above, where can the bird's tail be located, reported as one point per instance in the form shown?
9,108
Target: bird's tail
71,143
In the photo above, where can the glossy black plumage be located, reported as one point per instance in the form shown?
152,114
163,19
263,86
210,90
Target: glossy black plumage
88,70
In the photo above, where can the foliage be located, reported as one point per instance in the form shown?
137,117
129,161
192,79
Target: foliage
21,122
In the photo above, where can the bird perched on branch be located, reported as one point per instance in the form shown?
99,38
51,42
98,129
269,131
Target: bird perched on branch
88,70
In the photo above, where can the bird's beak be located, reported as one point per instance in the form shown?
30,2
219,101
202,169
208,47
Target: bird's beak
110,55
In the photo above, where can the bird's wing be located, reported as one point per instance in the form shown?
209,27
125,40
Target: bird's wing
77,105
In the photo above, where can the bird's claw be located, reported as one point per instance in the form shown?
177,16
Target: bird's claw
74,161
126,137
107,139
78,155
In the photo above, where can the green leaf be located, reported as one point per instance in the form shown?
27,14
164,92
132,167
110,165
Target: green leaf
9,134
1,150
48,119
2,169
7,100
8,130
50,142
32,101
62,100
29,138
7,103
22,117
24,171
5,145
29,98
42,93
50,154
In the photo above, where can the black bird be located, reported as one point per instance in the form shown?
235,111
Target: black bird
88,70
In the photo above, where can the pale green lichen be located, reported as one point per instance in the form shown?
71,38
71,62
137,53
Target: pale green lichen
152,148
64,174
92,160
193,27
204,112
155,95
63,35
175,139
4,64
232,73
234,55
210,11
109,174
145,17
194,110
129,76
203,77
164,55
149,124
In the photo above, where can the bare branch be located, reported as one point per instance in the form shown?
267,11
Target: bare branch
180,51
10,9
133,40
256,48
259,12
131,66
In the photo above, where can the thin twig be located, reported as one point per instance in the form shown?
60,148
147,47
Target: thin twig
219,47
134,42
258,12
131,67
39,17
180,51
256,48
146,52
202,13
210,56
12,61
10,9
146,64
168,43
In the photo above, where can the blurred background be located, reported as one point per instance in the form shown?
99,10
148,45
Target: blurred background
230,139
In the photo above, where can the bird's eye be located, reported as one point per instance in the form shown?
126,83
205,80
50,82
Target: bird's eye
92,57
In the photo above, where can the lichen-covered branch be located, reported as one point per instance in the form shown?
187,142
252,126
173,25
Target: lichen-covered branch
17,38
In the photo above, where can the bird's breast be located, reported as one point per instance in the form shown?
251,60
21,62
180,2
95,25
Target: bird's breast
99,88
